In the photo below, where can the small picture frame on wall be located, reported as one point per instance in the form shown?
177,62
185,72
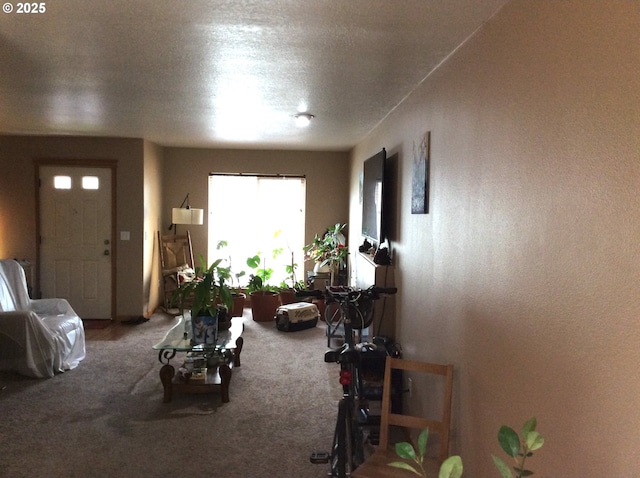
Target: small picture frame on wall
420,181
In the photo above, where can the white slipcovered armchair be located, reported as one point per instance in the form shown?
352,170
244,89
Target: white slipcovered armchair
37,337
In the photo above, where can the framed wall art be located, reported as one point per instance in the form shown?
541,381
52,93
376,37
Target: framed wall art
420,181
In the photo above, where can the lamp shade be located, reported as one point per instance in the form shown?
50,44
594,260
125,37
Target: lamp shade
184,215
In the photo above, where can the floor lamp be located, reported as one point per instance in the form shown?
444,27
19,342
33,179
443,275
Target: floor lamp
185,214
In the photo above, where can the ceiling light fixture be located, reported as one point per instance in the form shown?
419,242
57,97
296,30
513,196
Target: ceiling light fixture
303,119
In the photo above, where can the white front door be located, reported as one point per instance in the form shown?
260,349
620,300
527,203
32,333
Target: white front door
75,234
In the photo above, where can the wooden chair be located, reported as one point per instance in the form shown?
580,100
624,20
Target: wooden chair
376,466
175,254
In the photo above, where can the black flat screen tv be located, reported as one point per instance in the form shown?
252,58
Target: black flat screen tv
373,210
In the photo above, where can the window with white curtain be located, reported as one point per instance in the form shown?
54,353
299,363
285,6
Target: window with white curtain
257,215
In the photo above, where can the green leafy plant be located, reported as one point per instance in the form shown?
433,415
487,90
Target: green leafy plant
291,281
204,290
259,281
518,450
225,274
450,468
329,250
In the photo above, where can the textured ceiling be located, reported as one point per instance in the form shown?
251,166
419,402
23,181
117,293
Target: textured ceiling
222,73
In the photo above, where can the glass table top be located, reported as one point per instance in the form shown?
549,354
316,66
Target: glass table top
178,338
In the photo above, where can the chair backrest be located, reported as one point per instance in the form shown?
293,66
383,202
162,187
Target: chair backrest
14,294
175,251
441,426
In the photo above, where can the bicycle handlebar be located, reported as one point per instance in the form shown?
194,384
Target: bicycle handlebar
347,292
385,290
309,293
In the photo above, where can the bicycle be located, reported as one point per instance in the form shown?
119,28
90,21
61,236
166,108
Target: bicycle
355,309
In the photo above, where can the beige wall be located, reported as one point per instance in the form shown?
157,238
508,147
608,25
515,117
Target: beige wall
18,208
186,171
525,272
153,184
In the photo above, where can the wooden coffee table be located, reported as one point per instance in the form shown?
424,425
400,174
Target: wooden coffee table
221,358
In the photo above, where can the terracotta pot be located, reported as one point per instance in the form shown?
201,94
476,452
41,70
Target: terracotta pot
238,304
288,297
264,305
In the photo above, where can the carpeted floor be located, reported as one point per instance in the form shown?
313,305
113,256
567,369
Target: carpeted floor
92,324
106,418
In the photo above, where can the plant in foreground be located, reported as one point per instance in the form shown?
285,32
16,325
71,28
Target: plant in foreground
519,451
452,466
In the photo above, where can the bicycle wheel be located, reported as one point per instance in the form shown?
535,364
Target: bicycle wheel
356,430
333,318
339,452
362,314
332,314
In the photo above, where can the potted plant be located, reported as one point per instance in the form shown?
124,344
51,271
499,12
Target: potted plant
238,296
329,251
227,276
264,297
234,305
289,286
205,294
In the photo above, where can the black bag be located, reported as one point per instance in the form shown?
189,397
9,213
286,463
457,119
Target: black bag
297,316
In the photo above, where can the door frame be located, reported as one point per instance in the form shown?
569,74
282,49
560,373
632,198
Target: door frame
111,164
